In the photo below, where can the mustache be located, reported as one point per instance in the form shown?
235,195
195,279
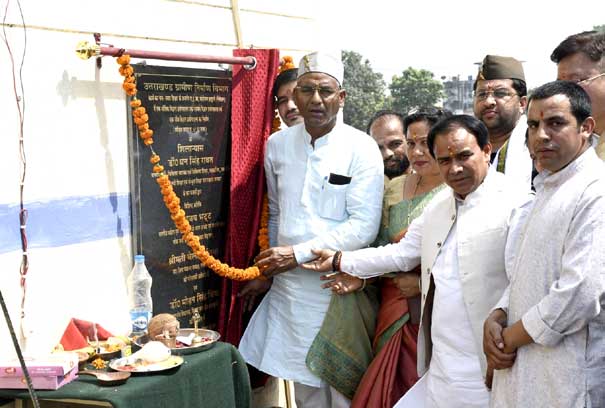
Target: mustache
548,146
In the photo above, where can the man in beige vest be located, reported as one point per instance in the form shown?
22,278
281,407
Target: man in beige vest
581,58
459,240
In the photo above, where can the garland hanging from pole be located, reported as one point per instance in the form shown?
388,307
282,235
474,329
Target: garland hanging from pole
172,201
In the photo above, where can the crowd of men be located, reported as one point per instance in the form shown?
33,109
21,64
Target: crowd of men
509,251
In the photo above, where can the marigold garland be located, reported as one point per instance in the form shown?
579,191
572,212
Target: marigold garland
286,63
263,231
172,201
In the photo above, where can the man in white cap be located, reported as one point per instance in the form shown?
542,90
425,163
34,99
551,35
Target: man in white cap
325,183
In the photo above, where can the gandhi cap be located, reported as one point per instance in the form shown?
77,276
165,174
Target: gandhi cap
498,67
324,63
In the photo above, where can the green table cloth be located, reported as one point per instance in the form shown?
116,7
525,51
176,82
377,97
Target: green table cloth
217,377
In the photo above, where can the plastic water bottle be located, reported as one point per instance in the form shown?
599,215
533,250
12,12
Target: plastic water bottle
139,296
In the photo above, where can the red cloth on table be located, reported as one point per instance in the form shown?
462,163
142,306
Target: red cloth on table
251,116
76,332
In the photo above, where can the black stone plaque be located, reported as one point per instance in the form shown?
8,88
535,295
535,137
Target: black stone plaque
189,112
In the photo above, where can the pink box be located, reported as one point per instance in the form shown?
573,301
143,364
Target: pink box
54,365
39,382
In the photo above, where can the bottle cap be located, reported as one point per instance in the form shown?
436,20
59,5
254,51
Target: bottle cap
139,258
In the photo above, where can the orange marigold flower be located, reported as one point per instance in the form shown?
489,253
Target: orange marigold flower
275,123
141,119
180,215
128,86
145,134
129,79
124,59
148,141
172,198
158,168
135,103
143,127
286,63
126,70
154,159
138,112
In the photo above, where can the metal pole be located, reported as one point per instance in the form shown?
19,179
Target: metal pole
169,56
86,50
28,379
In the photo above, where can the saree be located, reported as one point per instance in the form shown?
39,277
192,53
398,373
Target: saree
342,350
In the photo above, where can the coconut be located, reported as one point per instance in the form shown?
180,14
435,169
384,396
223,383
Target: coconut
163,322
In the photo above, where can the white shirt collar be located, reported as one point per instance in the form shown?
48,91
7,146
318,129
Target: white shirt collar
547,178
474,196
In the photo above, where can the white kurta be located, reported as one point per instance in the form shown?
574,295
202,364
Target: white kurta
518,164
455,377
309,212
556,290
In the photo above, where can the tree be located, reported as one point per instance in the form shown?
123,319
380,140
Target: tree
365,90
415,88
599,27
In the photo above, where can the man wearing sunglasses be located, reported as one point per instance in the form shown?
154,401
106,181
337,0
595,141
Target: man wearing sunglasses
499,101
324,183
581,58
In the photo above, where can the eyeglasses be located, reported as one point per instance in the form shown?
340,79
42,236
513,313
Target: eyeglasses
325,92
589,80
497,94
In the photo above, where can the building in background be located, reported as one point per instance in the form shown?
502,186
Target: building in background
458,94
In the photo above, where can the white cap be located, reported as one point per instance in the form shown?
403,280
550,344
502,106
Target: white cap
322,62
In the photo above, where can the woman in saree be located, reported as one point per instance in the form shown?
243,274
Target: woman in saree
393,369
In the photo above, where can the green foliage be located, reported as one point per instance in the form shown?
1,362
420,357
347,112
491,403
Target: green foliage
599,27
365,90
414,88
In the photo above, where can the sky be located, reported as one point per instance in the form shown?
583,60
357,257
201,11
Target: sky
449,37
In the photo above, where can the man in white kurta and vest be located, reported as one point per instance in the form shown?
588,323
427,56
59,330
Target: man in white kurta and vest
552,311
325,185
499,101
459,240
